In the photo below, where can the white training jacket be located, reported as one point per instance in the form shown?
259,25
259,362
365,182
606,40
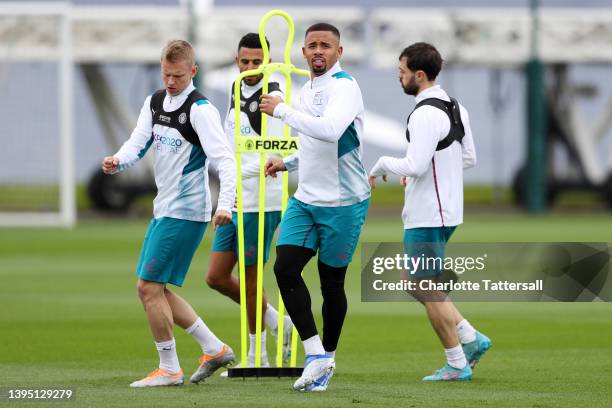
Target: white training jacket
329,119
251,161
181,169
434,192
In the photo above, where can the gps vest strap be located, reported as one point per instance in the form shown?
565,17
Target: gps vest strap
456,131
178,119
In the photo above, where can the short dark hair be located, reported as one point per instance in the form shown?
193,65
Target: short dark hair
424,57
323,27
251,40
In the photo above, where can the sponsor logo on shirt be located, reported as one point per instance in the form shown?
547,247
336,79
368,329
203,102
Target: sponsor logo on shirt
317,99
167,144
244,130
164,118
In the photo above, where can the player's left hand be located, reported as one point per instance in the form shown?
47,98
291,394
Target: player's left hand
267,103
221,217
372,180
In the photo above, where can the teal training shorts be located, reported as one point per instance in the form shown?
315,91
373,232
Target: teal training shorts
333,231
168,249
226,236
427,243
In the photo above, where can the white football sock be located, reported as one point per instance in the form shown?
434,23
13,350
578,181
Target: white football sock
252,341
455,357
271,317
466,332
313,345
205,337
168,359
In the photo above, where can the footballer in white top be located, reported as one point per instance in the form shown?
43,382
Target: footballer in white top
329,208
181,167
329,119
440,147
434,188
224,254
184,131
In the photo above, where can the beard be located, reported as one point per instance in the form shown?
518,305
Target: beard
318,70
411,88
253,80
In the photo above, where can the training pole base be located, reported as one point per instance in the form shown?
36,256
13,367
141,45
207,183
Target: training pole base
264,372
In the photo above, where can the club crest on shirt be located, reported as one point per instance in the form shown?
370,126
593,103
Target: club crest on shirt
182,118
317,99
253,106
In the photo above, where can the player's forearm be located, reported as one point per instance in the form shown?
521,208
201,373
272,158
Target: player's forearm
406,166
327,129
227,176
468,153
222,157
468,150
469,161
292,162
124,164
132,151
252,170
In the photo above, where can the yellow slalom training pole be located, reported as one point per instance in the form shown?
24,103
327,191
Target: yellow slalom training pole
286,69
248,144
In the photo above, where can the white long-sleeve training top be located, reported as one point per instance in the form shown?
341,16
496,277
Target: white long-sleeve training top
181,169
251,161
434,192
329,120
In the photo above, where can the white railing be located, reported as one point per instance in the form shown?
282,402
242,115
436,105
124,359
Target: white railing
486,36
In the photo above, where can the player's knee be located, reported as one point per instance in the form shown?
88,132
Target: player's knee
290,261
215,281
415,294
332,289
332,279
332,285
426,296
280,272
286,275
141,289
147,291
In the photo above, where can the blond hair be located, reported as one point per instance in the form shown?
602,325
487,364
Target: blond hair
178,51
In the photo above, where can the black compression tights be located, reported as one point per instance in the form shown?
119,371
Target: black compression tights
290,262
334,303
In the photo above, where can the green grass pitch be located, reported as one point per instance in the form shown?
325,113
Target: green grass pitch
69,316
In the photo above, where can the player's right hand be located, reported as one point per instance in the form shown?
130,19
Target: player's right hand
273,165
110,164
403,181
221,217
